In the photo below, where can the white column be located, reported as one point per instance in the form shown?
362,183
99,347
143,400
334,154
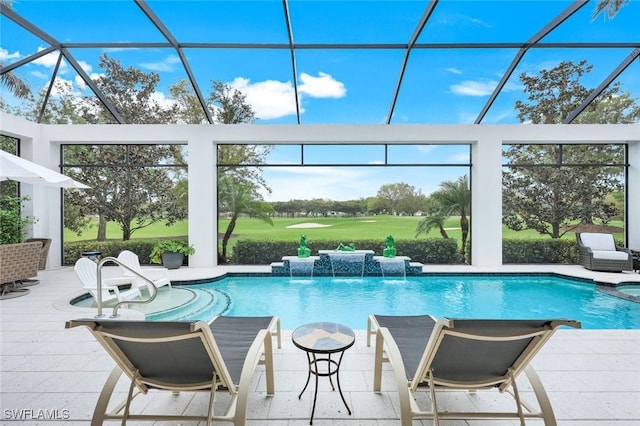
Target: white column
45,204
633,192
486,202
202,201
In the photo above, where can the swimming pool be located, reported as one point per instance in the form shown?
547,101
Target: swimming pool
350,300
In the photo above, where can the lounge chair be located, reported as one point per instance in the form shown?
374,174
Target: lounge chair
184,356
599,252
87,271
159,276
461,354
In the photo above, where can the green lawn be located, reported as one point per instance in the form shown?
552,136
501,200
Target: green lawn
341,229
157,230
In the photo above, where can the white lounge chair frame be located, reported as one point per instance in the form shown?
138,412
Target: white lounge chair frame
87,271
129,341
532,335
159,275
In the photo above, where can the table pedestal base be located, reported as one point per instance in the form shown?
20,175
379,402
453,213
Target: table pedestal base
333,368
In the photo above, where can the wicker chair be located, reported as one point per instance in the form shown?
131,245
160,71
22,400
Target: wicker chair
46,244
599,252
19,261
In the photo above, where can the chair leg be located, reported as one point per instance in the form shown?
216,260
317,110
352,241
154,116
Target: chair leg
516,396
541,396
268,363
127,407
100,410
377,364
212,400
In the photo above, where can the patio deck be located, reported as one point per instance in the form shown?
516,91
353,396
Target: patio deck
592,376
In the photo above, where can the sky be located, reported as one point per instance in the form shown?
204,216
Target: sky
447,85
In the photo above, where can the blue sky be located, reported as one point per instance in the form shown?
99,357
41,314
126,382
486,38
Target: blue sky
347,86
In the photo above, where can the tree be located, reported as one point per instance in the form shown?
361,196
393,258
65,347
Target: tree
610,7
550,198
230,105
399,197
452,199
239,170
541,190
238,197
126,187
189,109
12,82
435,218
128,193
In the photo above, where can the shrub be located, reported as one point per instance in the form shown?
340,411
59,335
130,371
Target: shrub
252,252
169,246
111,248
13,227
539,251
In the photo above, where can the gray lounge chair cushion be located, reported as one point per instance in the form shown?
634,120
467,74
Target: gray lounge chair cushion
463,360
411,334
177,362
234,336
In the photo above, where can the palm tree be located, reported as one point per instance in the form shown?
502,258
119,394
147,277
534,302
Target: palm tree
14,84
236,198
435,218
610,7
454,199
9,80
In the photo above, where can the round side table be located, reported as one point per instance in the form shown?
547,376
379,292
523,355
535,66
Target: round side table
319,340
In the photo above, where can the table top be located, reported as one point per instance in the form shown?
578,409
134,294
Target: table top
323,337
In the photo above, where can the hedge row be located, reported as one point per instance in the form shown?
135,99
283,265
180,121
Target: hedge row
430,251
539,251
73,251
251,252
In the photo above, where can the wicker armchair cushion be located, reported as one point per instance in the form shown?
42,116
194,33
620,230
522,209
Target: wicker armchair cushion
610,255
595,241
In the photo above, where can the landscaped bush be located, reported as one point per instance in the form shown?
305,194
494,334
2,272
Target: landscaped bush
539,251
251,252
73,251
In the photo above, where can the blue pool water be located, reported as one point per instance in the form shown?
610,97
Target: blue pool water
350,300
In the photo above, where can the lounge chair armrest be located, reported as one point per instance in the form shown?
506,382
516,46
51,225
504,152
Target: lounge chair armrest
248,368
116,281
397,365
155,273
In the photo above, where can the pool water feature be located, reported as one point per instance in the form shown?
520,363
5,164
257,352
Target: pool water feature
351,300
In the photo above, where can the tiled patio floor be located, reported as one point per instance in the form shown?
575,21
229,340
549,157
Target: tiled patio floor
592,376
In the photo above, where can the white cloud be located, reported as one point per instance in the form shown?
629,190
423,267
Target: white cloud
5,55
323,86
39,74
269,99
425,149
166,65
336,183
272,99
85,67
162,99
49,60
80,83
474,88
454,70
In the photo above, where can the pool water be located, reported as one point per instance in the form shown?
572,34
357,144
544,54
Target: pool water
632,290
351,300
